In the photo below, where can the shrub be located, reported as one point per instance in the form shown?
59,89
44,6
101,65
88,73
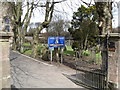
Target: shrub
75,45
86,53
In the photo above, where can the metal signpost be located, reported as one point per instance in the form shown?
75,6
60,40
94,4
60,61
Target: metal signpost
54,42
51,49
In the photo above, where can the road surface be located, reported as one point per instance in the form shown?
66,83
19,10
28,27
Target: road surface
30,73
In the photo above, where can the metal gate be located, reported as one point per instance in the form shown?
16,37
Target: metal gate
91,70
89,66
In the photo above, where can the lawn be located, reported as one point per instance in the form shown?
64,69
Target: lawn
28,52
69,48
69,51
86,53
28,48
27,44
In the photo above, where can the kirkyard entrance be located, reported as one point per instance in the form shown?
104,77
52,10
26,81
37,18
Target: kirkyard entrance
95,68
95,71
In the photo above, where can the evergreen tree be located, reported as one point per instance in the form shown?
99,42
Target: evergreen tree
84,27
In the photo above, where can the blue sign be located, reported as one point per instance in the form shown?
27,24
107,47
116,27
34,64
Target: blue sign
56,42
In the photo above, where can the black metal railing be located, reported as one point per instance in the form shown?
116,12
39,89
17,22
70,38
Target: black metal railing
88,71
93,79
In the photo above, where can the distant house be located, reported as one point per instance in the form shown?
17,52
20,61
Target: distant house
116,30
33,25
42,38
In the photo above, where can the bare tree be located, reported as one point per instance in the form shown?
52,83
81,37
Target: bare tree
49,8
20,26
58,28
104,10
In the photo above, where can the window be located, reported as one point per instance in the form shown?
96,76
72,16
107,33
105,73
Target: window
6,23
6,20
7,28
111,44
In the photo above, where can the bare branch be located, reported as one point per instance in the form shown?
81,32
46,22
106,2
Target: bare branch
88,4
58,1
26,15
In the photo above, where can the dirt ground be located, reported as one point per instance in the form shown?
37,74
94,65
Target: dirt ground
74,63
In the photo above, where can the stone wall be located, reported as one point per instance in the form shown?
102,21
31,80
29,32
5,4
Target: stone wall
119,67
4,65
113,58
114,61
5,11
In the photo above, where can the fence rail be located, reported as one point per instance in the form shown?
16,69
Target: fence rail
92,79
88,69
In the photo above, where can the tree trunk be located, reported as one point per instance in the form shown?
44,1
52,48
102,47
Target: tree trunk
61,54
104,10
85,43
19,39
26,23
57,55
48,17
35,44
22,42
14,46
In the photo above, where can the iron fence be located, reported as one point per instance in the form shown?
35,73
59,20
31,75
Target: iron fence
91,79
88,70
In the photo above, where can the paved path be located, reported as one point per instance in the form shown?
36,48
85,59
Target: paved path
28,73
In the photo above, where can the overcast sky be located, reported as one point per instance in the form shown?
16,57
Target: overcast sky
66,9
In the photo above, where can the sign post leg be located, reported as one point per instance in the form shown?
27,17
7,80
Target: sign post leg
62,49
51,56
61,58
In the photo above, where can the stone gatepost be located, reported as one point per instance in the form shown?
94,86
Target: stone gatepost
111,59
4,60
114,60
5,34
